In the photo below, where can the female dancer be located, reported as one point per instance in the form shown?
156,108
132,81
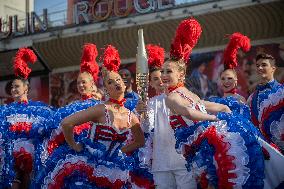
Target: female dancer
86,80
168,167
26,124
229,78
100,161
55,147
222,154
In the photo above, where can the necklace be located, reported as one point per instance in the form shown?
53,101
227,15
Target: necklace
171,89
118,102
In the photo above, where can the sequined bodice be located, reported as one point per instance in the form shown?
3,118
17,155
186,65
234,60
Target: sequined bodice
107,133
177,121
101,132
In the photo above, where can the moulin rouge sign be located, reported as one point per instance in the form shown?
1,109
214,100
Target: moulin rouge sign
10,28
100,10
83,12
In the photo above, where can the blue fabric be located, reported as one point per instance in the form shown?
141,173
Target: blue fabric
202,154
233,103
60,152
138,170
40,113
132,100
99,156
94,151
261,93
72,108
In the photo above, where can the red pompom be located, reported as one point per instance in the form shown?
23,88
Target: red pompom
187,36
111,59
237,40
156,56
23,56
88,60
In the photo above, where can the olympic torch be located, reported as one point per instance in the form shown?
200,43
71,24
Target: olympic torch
142,72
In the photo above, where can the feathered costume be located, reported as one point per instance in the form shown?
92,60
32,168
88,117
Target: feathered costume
100,164
55,147
25,125
237,41
267,112
223,154
273,173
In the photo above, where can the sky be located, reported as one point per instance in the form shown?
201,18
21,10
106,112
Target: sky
51,5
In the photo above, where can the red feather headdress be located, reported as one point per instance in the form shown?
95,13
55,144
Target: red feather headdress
88,60
23,56
237,40
186,37
156,56
111,59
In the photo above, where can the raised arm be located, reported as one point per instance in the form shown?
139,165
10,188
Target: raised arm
79,118
175,105
138,136
213,107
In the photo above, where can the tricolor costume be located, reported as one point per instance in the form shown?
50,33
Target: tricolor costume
100,164
223,154
267,112
24,125
89,65
55,147
274,175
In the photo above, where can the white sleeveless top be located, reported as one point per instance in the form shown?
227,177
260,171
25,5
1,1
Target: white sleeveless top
165,157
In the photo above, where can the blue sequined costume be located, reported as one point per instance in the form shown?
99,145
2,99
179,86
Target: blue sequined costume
224,154
232,102
132,99
55,147
25,125
267,109
99,165
2,147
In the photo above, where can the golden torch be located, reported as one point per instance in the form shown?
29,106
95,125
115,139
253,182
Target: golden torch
142,72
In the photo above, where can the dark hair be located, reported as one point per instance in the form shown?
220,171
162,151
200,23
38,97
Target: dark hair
153,69
266,56
25,81
131,73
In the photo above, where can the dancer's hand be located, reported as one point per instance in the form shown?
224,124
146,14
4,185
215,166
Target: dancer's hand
215,118
228,110
141,107
77,147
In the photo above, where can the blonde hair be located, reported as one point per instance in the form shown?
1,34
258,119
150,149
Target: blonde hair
180,64
232,70
105,74
89,75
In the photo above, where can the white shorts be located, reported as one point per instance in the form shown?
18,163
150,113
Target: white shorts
176,179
